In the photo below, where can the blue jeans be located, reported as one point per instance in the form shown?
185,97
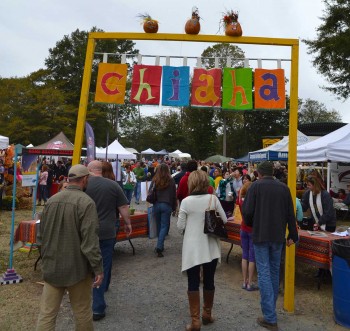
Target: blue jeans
107,249
137,191
128,194
268,259
43,193
162,212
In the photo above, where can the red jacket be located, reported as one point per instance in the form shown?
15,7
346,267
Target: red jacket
182,190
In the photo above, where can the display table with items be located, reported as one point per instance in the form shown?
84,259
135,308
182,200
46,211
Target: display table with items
27,232
314,247
139,228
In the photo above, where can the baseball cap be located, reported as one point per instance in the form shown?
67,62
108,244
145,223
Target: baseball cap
78,171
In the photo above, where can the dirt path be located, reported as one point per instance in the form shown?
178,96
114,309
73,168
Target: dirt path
149,293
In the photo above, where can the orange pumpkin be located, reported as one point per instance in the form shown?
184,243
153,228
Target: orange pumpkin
150,26
192,26
233,29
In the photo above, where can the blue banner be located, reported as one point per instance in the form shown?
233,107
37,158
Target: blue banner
90,143
176,86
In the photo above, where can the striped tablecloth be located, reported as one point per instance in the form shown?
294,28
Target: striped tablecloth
139,226
26,231
310,249
314,250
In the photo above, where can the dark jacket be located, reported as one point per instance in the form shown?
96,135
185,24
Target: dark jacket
268,208
167,195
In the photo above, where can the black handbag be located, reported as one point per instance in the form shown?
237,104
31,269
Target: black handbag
152,194
213,224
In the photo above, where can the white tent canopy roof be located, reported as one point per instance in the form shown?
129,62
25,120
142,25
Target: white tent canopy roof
178,154
4,142
148,151
319,150
162,152
115,151
132,150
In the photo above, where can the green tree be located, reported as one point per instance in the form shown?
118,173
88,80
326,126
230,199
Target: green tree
223,52
33,112
331,48
67,59
312,111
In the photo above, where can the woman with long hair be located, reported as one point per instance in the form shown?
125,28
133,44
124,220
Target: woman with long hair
164,186
107,170
320,203
199,249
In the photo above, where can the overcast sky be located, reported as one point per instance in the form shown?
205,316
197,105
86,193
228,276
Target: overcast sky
30,28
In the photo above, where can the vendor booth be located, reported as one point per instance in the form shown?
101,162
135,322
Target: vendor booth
277,151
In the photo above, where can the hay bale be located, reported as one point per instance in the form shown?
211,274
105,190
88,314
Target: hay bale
25,203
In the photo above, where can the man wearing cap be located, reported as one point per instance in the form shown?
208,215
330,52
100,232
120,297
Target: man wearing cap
268,208
109,198
70,252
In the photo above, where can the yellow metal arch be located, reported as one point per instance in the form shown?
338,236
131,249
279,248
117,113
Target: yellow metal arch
293,116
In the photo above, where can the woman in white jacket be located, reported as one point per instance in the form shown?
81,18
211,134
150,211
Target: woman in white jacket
198,248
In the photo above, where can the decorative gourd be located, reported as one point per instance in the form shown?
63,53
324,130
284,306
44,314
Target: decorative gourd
192,25
149,24
233,29
231,24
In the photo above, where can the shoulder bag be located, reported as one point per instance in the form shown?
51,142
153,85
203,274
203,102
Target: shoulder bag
152,194
213,224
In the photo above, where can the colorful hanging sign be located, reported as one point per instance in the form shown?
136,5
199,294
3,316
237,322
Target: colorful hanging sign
269,89
237,89
111,83
145,87
206,88
176,86
237,86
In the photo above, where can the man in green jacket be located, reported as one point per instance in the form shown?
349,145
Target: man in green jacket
70,252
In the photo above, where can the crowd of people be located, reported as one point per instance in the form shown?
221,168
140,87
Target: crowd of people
183,189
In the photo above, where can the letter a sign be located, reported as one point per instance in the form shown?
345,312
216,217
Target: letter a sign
111,83
269,89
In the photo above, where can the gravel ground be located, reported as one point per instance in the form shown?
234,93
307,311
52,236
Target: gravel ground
149,293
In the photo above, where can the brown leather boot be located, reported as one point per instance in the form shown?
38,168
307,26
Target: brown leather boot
194,301
208,298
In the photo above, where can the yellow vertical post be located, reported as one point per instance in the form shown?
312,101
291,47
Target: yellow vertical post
84,99
289,277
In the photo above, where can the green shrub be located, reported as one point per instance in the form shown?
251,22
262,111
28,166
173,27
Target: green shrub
7,202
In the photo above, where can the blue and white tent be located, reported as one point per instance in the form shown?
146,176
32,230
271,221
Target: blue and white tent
277,151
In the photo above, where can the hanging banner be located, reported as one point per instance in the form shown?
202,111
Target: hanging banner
237,89
145,88
111,83
269,89
176,86
29,168
206,88
90,143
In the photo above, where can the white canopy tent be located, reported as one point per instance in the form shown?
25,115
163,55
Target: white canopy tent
179,155
339,152
115,151
320,150
4,142
149,151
